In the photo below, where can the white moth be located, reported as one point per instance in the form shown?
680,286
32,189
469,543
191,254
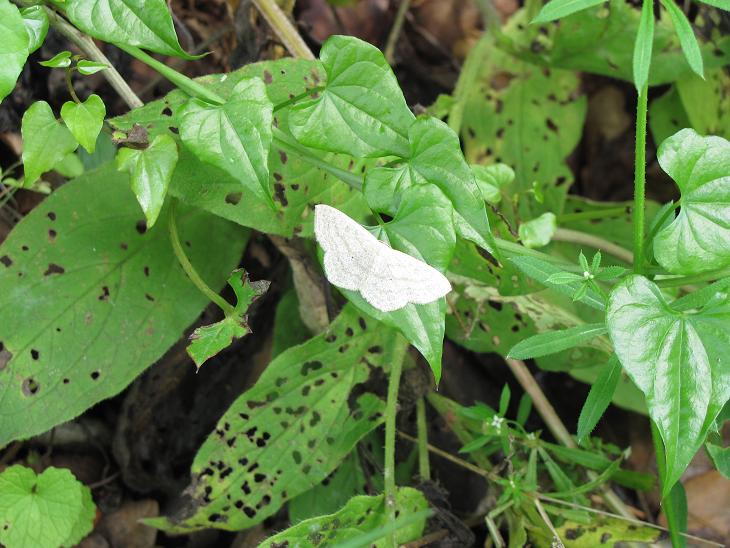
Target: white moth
356,260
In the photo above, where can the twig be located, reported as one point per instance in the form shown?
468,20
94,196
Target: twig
89,49
396,29
283,28
576,237
424,466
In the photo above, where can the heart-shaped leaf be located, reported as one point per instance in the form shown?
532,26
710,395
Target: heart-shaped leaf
85,120
13,47
45,141
678,359
697,240
49,509
143,23
435,157
36,23
361,110
150,171
235,136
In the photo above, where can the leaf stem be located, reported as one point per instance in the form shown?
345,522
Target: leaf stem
285,142
188,85
297,98
640,178
70,86
695,278
424,466
188,267
391,409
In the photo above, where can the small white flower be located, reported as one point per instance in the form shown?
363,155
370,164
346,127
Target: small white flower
497,422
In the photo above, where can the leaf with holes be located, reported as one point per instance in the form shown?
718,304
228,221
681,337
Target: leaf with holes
45,141
696,241
207,341
150,171
435,158
678,359
296,182
13,47
361,110
85,120
529,118
360,516
36,23
48,510
235,136
143,23
90,298
290,431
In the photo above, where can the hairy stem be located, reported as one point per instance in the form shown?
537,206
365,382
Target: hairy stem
283,28
391,409
640,179
189,269
424,466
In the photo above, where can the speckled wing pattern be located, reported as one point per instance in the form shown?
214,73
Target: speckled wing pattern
356,260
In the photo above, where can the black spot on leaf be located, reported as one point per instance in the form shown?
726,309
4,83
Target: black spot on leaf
30,387
53,268
7,261
233,198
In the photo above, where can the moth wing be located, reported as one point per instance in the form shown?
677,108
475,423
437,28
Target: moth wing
348,247
397,279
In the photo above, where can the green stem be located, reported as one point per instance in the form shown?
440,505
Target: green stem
589,215
424,466
188,85
391,409
287,143
298,98
695,278
70,86
284,29
674,520
190,269
400,16
640,179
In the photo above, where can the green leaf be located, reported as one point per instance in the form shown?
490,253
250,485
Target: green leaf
60,60
91,298
14,46
207,341
422,227
562,278
722,4
504,400
720,458
49,510
667,115
686,35
235,136
538,232
435,158
150,171
90,67
696,241
678,360
298,183
643,45
599,531
45,141
361,111
290,431
542,271
289,329
85,120
544,344
599,397
143,23
36,23
492,179
358,517
70,167
557,9
329,496
705,103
